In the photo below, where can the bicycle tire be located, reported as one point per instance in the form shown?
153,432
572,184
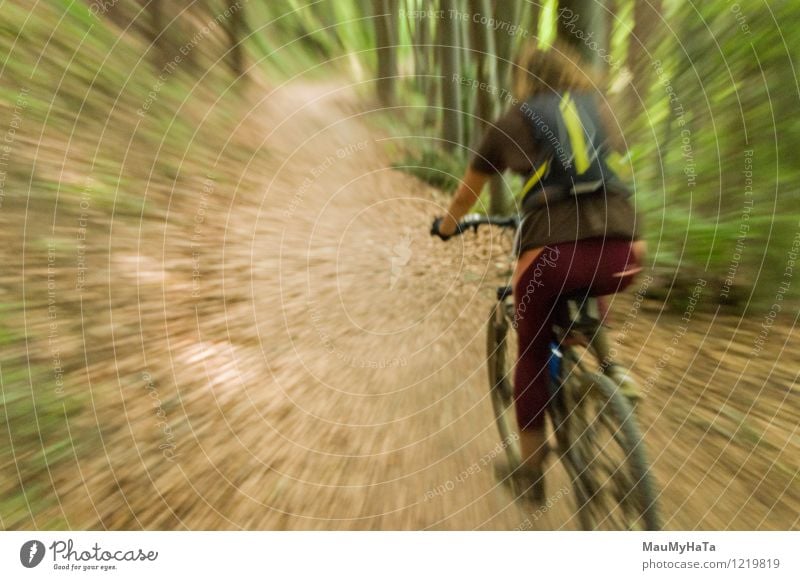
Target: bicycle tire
638,485
500,388
571,445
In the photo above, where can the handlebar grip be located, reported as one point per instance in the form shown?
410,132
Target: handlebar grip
475,220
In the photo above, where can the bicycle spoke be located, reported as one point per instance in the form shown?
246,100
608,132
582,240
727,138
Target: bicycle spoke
602,454
597,437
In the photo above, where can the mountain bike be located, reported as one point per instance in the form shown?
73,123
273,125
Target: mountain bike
598,440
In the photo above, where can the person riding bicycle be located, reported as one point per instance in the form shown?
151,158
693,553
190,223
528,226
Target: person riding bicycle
579,231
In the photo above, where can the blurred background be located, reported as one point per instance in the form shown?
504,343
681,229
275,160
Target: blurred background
220,307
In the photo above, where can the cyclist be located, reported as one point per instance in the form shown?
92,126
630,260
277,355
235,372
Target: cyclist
579,231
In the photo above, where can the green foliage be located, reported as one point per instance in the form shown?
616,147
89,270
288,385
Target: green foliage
43,435
73,85
434,166
733,86
727,86
547,20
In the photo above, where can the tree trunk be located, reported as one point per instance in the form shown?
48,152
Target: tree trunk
434,66
452,123
484,54
466,57
528,14
158,21
584,25
647,30
418,33
509,11
488,102
385,42
236,33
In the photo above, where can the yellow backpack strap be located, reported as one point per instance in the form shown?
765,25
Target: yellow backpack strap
533,180
576,132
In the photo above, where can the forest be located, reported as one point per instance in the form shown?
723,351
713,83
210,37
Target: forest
221,305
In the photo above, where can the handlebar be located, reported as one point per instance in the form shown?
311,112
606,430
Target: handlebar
475,220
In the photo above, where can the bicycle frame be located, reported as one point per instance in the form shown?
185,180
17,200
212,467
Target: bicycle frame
580,324
584,407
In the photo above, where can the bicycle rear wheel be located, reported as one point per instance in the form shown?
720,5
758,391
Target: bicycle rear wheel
603,451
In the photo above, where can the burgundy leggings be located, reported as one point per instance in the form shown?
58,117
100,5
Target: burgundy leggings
590,267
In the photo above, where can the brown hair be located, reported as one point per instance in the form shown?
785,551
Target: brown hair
556,68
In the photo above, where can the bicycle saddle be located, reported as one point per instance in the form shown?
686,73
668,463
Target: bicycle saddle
573,311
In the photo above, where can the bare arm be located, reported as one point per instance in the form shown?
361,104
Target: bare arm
467,194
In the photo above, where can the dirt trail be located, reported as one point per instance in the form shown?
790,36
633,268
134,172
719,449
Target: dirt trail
318,360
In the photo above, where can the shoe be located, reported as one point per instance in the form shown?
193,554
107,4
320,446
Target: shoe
531,483
526,482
